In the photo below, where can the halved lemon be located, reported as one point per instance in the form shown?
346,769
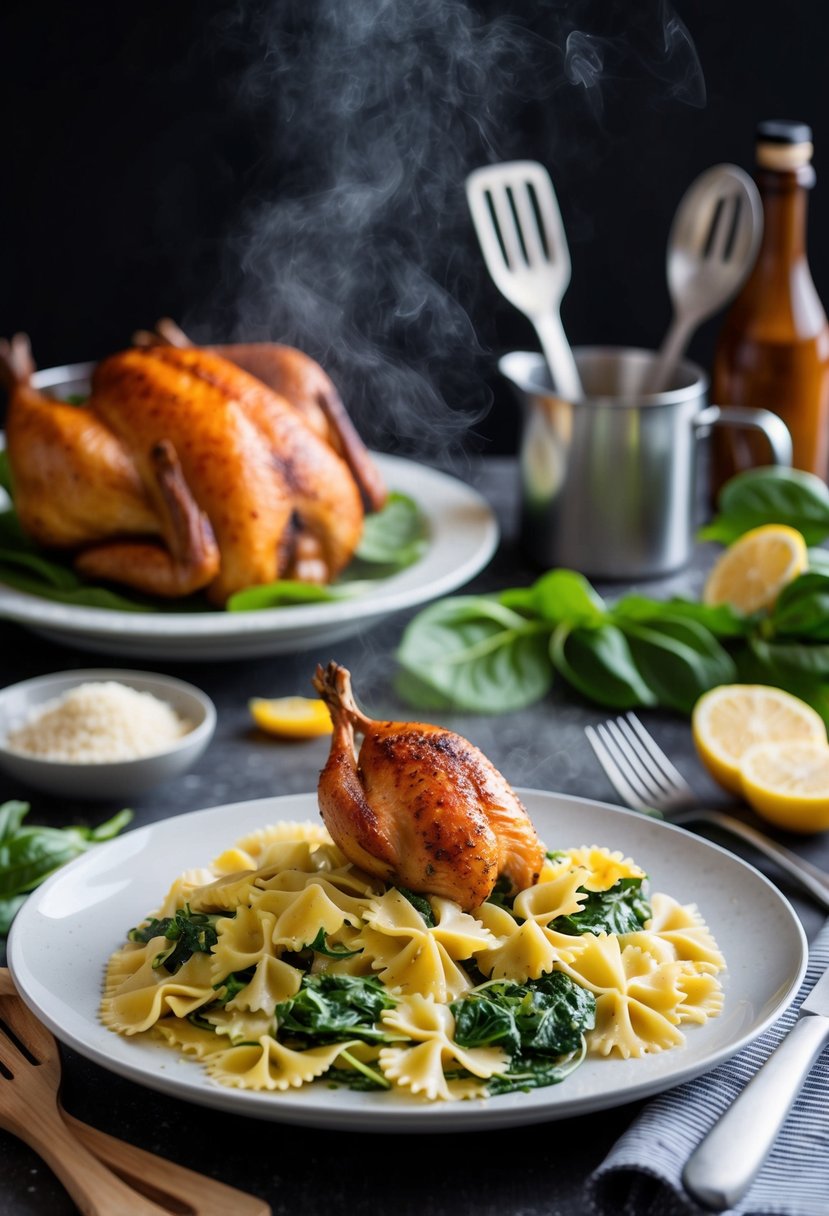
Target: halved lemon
291,717
788,783
753,571
730,719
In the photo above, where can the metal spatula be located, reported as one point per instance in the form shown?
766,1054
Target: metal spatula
711,249
516,217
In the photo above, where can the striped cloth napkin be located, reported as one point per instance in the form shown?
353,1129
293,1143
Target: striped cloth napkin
642,1174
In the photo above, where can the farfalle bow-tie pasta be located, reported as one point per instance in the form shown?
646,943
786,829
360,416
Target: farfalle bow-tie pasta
282,963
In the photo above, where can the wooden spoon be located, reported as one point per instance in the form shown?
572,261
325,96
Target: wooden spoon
137,1183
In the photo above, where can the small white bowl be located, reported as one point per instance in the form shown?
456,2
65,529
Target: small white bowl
112,779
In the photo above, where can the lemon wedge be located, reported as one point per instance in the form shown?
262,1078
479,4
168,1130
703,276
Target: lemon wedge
291,717
788,783
732,718
752,572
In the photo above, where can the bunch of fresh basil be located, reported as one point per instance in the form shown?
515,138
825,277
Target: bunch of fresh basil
501,652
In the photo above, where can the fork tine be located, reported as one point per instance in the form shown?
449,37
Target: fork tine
597,740
669,770
628,756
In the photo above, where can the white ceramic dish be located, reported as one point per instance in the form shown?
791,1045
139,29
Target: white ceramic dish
463,536
66,930
116,779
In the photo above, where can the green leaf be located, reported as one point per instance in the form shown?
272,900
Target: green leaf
544,1018
722,620
395,536
478,654
110,828
8,910
802,608
421,904
599,664
12,814
771,496
621,909
678,659
331,1007
320,946
559,595
190,932
278,594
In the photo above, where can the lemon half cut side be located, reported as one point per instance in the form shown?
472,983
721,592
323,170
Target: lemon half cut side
788,783
752,572
730,719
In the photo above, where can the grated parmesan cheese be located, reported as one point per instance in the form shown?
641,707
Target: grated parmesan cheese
97,723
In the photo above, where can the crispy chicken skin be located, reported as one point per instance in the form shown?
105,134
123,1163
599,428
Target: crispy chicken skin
301,381
420,806
182,472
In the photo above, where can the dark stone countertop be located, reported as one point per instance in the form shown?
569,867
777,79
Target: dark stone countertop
527,1171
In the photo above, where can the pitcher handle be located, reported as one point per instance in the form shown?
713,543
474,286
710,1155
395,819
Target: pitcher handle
774,428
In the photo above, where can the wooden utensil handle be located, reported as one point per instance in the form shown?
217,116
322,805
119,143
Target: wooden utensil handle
162,1180
95,1190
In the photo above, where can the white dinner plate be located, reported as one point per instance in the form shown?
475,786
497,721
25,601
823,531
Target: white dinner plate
65,932
463,536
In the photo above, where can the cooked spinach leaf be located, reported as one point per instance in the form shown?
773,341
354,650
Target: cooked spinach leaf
421,904
189,932
331,1007
320,946
621,909
539,1024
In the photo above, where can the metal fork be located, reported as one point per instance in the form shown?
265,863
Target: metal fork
646,780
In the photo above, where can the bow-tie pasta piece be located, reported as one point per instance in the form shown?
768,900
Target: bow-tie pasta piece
270,1065
421,1069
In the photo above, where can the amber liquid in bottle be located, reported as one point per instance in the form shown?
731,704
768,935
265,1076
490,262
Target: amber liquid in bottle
773,351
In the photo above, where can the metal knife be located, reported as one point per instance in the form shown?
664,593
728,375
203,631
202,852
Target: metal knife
726,1162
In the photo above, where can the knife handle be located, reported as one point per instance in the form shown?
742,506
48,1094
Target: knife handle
726,1162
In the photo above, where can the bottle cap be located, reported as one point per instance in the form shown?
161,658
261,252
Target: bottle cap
783,144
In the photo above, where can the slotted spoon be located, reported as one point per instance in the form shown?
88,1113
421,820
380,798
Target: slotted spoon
712,247
518,222
139,1183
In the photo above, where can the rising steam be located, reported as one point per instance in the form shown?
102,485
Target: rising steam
354,242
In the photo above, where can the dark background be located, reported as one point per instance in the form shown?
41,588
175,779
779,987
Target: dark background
295,171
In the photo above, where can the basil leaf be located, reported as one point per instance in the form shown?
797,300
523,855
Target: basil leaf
8,910
678,659
276,595
478,654
559,595
771,496
802,608
599,664
722,620
395,536
12,814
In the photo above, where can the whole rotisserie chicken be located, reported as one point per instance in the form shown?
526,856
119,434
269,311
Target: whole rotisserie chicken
183,471
419,805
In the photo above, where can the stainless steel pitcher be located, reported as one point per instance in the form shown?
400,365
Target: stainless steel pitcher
609,484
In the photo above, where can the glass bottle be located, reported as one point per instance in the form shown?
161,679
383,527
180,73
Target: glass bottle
773,350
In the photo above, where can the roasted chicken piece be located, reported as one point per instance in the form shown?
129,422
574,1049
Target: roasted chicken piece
181,472
301,381
420,806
